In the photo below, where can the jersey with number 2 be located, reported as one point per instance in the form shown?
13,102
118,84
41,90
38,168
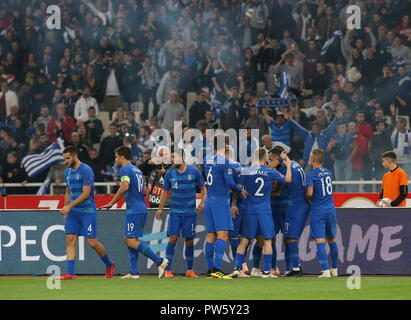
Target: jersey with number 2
320,179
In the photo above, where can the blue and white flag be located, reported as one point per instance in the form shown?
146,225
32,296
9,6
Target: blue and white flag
330,41
43,189
285,83
36,163
216,105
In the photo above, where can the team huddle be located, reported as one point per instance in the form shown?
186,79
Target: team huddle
239,204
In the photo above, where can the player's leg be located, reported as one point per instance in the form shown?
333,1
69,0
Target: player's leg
72,231
131,231
267,230
189,233
209,246
331,232
223,222
89,230
240,257
133,258
141,247
257,253
189,255
317,225
71,241
173,231
278,213
234,235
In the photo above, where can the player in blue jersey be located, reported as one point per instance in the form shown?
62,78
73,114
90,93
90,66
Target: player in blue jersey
234,235
133,189
323,218
297,210
217,211
79,212
183,181
258,220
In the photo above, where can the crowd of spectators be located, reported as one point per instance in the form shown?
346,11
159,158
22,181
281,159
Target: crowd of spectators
125,56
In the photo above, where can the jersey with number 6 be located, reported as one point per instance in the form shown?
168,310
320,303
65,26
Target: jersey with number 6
258,180
320,179
135,193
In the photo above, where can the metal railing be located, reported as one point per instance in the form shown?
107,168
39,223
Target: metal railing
108,185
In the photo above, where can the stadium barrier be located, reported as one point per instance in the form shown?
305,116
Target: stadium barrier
109,186
375,240
30,202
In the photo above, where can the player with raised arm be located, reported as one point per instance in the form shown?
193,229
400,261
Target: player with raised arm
297,209
80,213
217,211
133,189
182,180
394,189
323,222
258,180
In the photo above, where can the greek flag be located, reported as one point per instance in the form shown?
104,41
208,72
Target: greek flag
36,163
330,41
43,189
285,83
216,105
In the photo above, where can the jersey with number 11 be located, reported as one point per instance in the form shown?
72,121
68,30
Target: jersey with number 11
135,194
320,179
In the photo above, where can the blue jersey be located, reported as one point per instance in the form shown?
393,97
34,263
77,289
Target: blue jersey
183,190
219,174
258,180
320,180
75,181
297,188
240,201
135,193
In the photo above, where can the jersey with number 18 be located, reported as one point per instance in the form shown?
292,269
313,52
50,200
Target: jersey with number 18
135,194
320,179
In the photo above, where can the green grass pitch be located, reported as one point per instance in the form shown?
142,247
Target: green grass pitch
180,288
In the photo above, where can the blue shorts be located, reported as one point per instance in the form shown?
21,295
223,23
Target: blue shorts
217,215
295,219
257,224
134,225
323,223
81,224
278,212
184,224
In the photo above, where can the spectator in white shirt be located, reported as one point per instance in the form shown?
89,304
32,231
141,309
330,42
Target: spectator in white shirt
83,104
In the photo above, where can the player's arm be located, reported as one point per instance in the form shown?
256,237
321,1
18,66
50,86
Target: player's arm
83,196
67,196
401,197
203,197
163,196
309,194
229,182
234,209
287,161
163,199
125,184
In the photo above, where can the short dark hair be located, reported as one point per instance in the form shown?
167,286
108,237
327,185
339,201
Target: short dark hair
277,150
217,138
179,151
390,154
123,151
70,149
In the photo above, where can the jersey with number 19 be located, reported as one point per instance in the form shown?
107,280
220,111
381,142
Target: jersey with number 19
136,212
219,173
323,218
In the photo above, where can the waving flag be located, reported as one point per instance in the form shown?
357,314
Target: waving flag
216,105
36,163
285,83
330,41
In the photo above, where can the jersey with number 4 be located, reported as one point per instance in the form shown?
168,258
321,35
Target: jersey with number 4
135,193
258,181
320,179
